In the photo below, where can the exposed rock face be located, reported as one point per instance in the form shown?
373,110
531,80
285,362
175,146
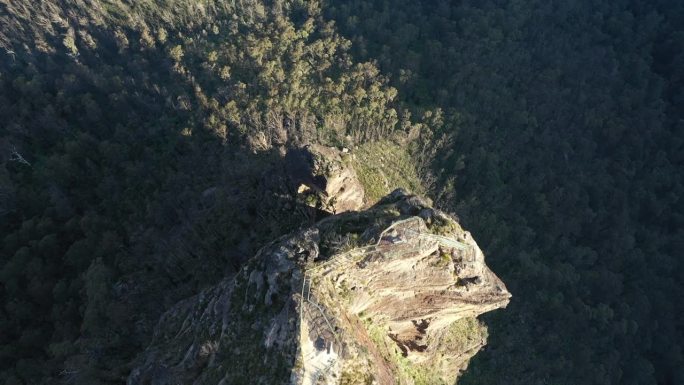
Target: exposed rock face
324,172
385,296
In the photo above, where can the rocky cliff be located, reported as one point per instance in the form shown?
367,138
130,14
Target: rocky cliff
383,296
324,178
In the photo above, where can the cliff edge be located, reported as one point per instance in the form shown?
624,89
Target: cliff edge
388,295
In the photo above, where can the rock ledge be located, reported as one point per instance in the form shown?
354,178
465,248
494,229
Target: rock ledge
385,296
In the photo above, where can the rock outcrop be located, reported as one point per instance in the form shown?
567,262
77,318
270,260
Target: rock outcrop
383,296
324,175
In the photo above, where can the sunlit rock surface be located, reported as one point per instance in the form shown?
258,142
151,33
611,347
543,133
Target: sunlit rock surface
325,175
385,296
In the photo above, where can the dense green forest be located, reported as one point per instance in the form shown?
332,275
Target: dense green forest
566,163
140,162
140,146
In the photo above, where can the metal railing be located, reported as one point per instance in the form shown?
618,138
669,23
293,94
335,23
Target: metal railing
344,258
307,298
351,257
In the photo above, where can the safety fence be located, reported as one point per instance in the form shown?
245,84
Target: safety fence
399,235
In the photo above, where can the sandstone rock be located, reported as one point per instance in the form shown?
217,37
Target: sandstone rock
385,296
324,173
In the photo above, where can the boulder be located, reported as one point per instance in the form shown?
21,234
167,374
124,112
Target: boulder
326,175
387,295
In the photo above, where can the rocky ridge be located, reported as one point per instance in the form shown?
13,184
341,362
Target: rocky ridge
324,178
387,295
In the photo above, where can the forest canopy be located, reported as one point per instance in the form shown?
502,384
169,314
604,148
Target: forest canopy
140,144
567,164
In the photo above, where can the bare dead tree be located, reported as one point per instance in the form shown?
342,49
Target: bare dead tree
15,156
69,375
11,53
274,123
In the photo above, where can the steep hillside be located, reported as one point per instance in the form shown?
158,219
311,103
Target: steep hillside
386,296
141,148
565,162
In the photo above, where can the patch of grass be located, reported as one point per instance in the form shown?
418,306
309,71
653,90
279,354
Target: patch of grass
444,259
461,336
384,166
408,371
420,374
465,333
442,226
355,378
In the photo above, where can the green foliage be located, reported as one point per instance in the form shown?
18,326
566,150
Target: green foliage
176,53
565,163
464,334
554,131
408,372
356,378
140,121
442,226
384,166
445,259
70,44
